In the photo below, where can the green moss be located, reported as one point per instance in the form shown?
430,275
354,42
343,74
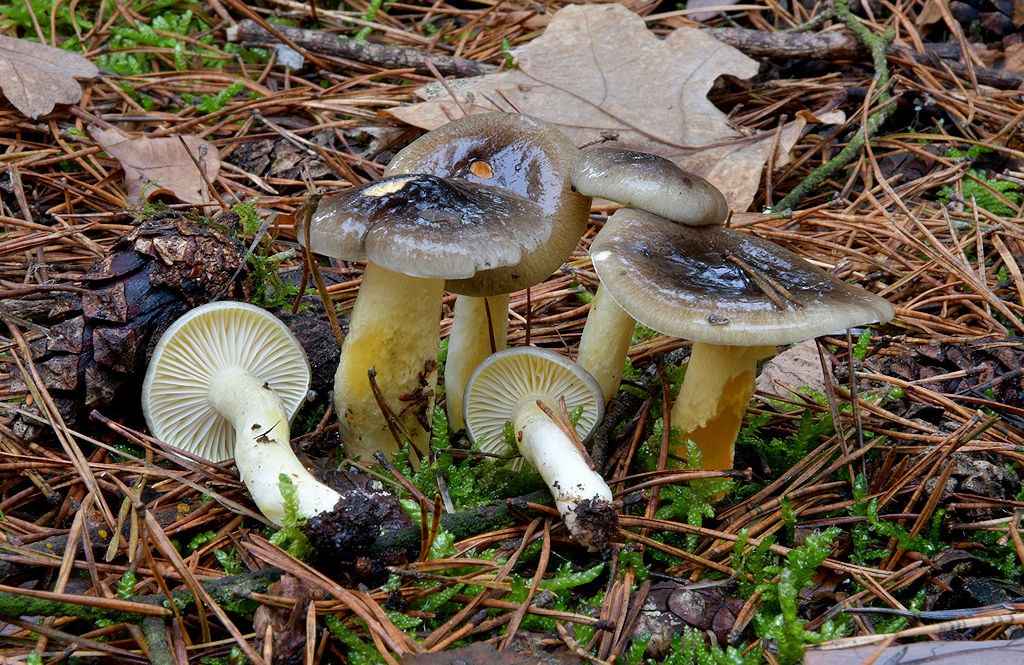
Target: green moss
781,453
214,103
642,333
691,648
979,188
126,585
68,18
357,650
200,539
871,538
290,537
269,290
229,561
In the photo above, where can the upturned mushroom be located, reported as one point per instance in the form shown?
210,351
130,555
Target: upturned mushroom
532,159
224,381
414,232
736,296
646,182
510,386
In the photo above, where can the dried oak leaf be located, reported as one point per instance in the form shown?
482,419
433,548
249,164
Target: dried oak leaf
598,70
796,367
34,77
164,166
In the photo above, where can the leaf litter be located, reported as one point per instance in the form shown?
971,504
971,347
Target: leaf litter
931,400
181,167
36,77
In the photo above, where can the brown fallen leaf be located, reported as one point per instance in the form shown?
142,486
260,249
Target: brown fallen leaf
161,166
1014,58
598,70
35,77
797,367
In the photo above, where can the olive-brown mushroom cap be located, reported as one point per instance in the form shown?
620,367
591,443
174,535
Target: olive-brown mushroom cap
649,182
422,225
715,285
518,153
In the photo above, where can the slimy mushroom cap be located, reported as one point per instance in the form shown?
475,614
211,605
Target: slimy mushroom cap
715,285
649,182
524,156
423,225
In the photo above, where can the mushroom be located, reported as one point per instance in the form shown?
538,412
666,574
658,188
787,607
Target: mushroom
414,232
479,328
735,296
224,380
510,386
532,159
646,182
649,182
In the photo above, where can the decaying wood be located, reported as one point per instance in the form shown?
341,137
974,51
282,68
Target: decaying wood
825,45
833,45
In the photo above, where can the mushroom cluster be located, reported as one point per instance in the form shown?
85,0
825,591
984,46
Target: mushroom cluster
532,159
646,182
672,266
482,207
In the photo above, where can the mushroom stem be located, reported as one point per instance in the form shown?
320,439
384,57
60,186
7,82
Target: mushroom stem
479,328
581,495
604,344
716,390
394,329
262,445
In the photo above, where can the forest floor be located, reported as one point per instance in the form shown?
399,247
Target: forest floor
884,507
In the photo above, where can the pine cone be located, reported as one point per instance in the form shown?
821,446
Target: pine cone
99,341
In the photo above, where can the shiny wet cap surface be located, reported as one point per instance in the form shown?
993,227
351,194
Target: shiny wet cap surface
714,285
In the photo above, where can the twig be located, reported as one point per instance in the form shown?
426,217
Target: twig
463,524
842,46
378,55
877,45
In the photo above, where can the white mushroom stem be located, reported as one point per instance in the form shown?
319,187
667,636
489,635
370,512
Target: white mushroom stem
604,344
262,445
716,391
479,328
394,328
560,463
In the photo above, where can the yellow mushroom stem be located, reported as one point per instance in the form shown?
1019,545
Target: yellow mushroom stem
395,330
716,390
605,342
479,328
